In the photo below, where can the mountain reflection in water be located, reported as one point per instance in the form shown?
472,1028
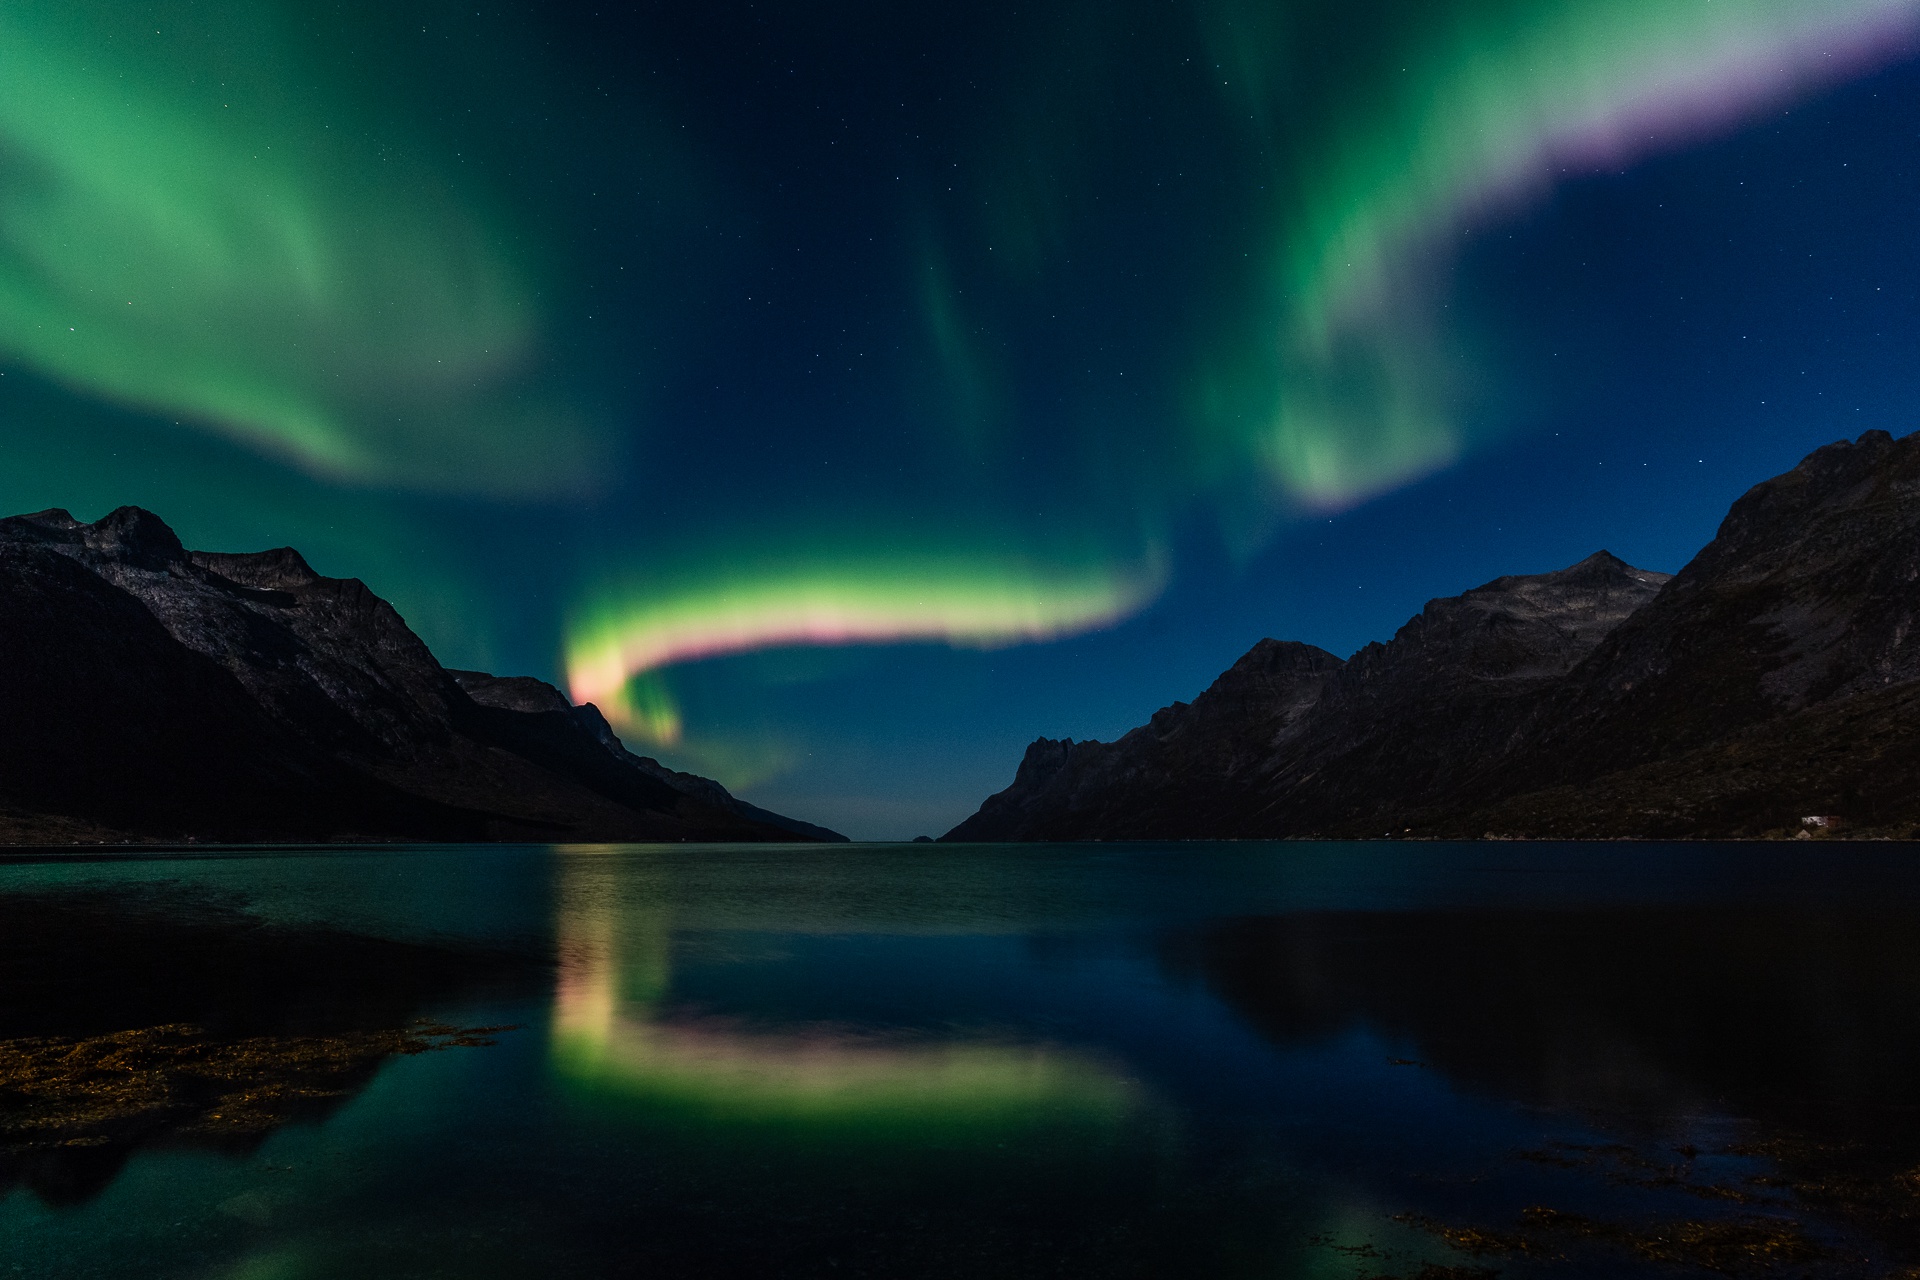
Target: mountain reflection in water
1764,1061
1656,1011
1335,1062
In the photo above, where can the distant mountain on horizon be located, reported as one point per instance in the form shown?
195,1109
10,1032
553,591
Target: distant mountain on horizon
1770,688
151,693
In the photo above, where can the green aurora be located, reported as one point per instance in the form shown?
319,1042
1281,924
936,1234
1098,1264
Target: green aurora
614,1051
516,323
186,237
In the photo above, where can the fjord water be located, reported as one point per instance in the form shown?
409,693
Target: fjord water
1326,1060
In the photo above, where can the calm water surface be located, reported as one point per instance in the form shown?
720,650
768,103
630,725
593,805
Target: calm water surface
1280,1060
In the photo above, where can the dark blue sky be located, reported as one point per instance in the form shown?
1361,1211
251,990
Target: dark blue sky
844,394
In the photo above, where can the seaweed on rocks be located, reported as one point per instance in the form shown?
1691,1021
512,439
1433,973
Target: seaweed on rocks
132,1021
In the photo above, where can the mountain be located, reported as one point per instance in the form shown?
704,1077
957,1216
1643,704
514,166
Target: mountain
524,695
1292,740
1776,677
148,692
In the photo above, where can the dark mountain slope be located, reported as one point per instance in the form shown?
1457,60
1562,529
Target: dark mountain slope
1807,595
1209,757
1416,717
1291,738
1857,758
151,692
544,720
1775,677
1761,684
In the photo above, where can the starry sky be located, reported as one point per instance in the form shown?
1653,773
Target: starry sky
841,394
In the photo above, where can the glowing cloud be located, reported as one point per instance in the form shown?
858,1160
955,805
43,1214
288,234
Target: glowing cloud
195,225
976,603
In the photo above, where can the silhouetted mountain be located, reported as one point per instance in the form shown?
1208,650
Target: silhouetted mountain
570,729
1777,676
151,692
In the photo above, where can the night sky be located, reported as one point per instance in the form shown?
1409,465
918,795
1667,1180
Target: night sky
842,394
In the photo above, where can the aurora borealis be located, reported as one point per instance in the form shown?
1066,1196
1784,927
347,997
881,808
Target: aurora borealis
196,243
841,395
851,601
610,1045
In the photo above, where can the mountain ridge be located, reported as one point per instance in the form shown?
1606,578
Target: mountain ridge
149,692
1515,707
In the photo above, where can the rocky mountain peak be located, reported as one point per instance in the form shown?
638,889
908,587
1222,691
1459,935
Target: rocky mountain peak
1044,758
151,692
1777,674
281,569
134,536
1805,594
1456,675
1519,627
52,520
511,693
